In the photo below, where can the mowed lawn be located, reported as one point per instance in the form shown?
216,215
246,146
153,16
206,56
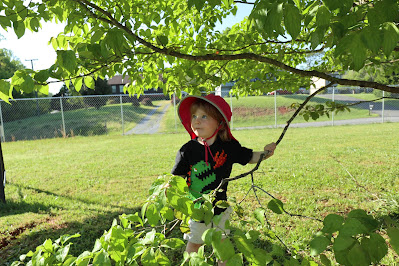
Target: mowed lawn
64,186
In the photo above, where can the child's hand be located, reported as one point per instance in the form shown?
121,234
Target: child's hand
269,149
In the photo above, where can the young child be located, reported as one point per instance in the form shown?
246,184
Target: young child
209,156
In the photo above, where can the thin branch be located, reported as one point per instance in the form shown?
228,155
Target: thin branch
369,101
354,179
299,109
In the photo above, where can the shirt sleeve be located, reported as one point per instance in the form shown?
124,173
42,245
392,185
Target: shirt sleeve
181,166
241,155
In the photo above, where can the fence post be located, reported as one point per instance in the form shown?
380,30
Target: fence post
232,114
174,108
123,122
3,137
62,116
2,176
333,100
275,108
383,106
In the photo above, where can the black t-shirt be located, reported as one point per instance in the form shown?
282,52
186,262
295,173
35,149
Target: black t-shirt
204,177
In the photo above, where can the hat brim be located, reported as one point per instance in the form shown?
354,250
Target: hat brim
185,114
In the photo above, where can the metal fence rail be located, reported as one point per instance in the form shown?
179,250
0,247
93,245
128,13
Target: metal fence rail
53,117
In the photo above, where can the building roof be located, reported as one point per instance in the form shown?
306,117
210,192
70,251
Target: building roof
119,80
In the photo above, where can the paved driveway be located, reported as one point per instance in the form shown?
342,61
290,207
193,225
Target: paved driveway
389,110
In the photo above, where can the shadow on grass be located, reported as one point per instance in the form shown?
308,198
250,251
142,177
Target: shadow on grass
18,207
90,229
45,207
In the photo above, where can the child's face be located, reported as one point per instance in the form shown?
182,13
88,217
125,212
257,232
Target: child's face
202,124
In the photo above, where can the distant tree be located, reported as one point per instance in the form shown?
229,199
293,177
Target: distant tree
8,64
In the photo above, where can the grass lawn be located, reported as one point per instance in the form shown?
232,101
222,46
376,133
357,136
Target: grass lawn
81,122
80,184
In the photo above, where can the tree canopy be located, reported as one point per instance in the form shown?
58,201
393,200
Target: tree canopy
270,49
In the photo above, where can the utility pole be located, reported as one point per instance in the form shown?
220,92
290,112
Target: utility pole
37,101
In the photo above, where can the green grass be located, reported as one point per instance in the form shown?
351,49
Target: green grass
87,122
80,184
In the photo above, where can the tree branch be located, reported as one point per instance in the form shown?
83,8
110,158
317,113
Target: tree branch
250,56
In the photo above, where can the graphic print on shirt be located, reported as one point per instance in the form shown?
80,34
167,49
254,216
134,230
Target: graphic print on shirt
201,175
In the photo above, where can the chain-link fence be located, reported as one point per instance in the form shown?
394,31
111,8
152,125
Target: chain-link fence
53,117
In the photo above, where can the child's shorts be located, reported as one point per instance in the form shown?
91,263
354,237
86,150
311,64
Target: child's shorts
197,228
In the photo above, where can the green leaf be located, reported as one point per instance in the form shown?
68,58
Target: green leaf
393,234
375,246
292,20
267,18
152,215
369,223
102,258
5,90
259,214
235,260
172,243
207,236
352,227
162,40
371,38
77,83
19,28
48,245
62,253
390,38
325,260
332,223
243,245
67,60
42,76
358,52
161,258
5,21
343,242
357,256
199,5
276,206
34,24
224,249
323,16
343,5
148,257
318,245
23,81
167,213
89,82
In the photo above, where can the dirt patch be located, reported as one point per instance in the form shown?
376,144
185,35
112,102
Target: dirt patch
259,111
7,237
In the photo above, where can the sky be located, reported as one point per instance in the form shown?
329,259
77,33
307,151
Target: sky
36,45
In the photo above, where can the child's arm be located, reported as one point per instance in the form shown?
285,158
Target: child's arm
268,150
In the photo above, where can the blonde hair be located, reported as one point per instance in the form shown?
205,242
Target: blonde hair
215,114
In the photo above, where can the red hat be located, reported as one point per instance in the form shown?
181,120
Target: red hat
218,102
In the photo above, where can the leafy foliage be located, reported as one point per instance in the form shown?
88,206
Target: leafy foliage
178,40
144,238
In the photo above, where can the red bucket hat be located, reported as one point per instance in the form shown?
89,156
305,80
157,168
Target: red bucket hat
218,102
